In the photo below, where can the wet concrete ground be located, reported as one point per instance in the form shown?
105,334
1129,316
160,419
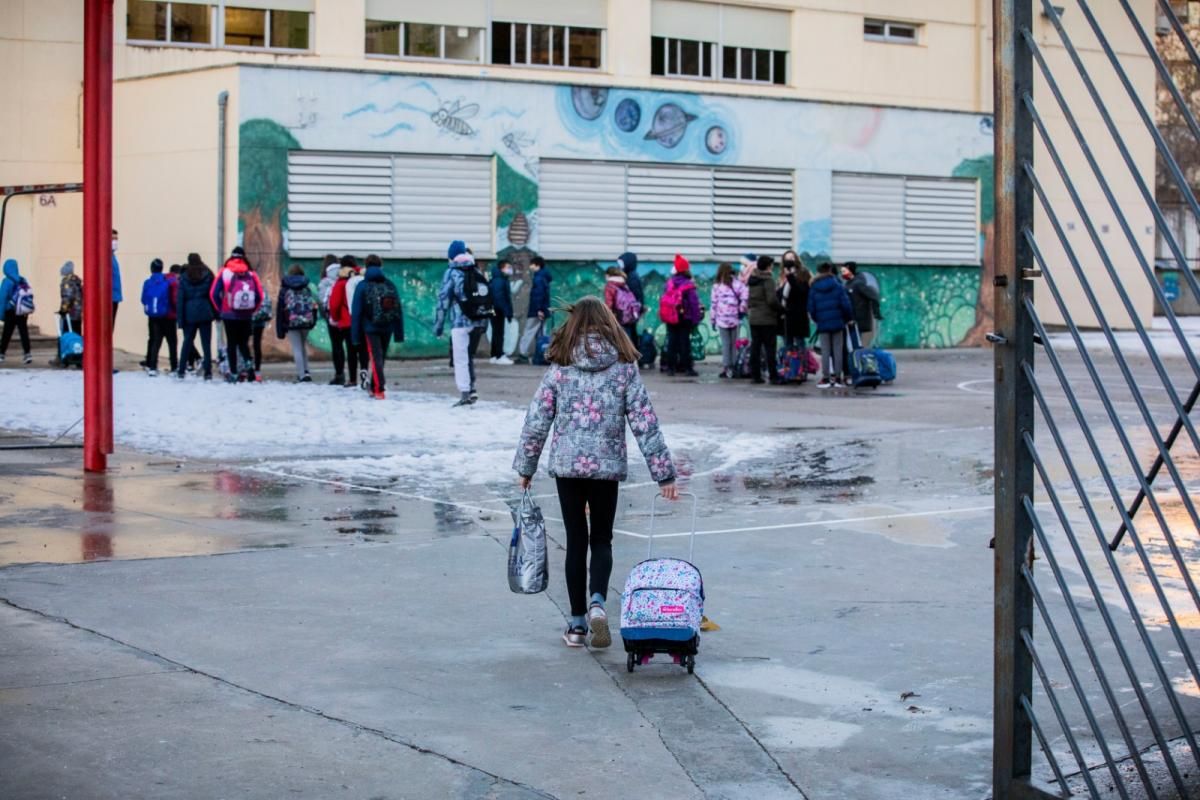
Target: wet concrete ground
194,629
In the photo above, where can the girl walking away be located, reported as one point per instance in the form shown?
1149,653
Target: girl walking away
345,353
468,312
378,316
729,303
793,294
16,300
196,314
764,316
502,303
829,306
680,309
589,392
295,317
238,293
329,272
628,262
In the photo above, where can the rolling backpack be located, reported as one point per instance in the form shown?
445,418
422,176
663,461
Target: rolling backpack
300,308
543,343
22,299
70,344
478,304
629,310
741,358
648,350
887,365
791,366
663,604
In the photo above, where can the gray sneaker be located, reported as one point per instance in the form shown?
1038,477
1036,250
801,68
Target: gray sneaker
598,623
575,636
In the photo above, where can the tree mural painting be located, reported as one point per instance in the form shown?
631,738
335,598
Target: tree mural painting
982,168
262,201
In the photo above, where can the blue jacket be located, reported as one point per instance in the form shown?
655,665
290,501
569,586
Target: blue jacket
359,325
193,306
9,285
828,304
539,294
452,295
501,294
116,280
154,279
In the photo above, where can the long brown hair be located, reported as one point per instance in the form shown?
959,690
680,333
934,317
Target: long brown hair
589,316
725,273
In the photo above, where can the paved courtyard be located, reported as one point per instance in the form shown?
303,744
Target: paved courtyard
325,613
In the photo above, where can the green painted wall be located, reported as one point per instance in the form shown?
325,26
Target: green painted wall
922,306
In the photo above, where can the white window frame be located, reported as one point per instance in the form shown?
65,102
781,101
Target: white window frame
566,46
754,62
887,36
716,61
216,27
441,56
212,29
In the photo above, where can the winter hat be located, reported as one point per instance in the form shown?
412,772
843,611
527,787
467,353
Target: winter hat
627,262
156,265
67,268
237,252
681,264
332,270
456,249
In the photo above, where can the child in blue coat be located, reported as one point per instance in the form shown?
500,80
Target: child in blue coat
829,307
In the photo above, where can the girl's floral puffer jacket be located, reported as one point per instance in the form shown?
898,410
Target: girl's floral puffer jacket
587,404
729,303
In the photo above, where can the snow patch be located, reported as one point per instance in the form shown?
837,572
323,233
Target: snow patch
318,430
1162,337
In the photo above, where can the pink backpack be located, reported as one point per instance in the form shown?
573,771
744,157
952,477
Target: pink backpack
670,303
628,307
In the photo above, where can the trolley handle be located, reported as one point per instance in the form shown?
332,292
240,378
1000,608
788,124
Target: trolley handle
692,538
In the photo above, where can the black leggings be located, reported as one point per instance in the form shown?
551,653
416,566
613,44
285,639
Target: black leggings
578,496
14,322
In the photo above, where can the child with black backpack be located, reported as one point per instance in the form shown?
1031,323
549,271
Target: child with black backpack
295,317
376,320
465,300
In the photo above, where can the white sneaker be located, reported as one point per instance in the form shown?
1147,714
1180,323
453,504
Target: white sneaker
153,373
598,625
492,360
503,361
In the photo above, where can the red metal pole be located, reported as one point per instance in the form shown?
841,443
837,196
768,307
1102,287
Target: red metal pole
97,225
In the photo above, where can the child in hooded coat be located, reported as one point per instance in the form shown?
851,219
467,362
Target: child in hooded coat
12,320
238,321
295,317
372,334
196,314
344,351
679,336
590,392
329,276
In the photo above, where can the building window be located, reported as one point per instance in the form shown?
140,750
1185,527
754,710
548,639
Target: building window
256,27
179,23
681,58
532,44
878,30
423,40
752,64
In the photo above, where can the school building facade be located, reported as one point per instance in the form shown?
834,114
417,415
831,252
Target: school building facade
844,129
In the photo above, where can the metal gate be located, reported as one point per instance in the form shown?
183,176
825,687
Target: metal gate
1097,612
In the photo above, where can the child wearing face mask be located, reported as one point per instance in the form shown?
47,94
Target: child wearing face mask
501,291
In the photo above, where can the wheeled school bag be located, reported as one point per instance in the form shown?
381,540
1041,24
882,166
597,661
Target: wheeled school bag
791,366
541,344
647,350
887,365
864,364
70,344
663,604
741,358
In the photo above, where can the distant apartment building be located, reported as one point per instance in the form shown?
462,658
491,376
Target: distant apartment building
573,129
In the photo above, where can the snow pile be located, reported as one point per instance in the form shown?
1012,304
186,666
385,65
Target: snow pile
320,430
1161,335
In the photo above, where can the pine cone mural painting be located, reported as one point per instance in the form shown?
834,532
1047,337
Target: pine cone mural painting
518,230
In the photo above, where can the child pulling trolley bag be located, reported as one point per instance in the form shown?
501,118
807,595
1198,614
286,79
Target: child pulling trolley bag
662,604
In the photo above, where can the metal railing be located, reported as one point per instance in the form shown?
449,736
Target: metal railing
1117,692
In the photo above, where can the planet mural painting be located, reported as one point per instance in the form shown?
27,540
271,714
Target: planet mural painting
716,140
669,125
589,101
628,115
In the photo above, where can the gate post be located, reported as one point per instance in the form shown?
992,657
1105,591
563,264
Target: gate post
1013,667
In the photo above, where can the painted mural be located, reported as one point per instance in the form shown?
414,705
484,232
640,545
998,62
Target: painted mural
519,124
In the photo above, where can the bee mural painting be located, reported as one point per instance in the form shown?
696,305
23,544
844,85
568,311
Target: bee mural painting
453,117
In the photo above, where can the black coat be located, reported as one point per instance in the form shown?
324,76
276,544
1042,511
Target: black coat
193,305
794,321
